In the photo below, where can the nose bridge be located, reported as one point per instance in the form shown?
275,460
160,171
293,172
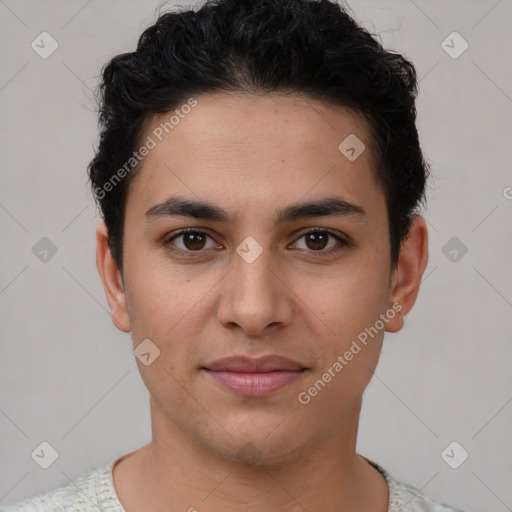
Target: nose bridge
254,296
252,274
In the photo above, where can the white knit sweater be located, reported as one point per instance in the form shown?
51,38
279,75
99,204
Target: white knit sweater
95,492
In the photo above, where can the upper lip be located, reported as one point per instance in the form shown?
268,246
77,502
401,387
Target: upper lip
245,364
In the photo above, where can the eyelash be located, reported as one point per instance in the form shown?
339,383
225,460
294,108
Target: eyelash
191,254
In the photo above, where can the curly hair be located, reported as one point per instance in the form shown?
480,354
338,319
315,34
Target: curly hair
312,48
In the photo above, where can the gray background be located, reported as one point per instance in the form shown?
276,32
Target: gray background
69,377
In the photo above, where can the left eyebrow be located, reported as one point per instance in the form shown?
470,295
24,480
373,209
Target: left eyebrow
326,207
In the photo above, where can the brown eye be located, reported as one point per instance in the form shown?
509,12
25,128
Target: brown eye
194,241
189,241
316,240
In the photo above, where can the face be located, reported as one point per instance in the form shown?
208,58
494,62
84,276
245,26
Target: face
291,257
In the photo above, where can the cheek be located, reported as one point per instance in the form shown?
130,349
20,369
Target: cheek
159,297
344,309
170,309
346,301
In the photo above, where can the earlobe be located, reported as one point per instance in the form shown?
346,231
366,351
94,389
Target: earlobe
112,281
407,276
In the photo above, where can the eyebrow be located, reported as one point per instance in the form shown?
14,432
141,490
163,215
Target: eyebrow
325,207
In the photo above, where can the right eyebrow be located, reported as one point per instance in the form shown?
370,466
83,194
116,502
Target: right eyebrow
181,207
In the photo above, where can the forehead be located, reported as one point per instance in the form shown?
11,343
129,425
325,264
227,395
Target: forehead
264,147
237,120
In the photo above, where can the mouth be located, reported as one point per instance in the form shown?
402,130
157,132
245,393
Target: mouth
251,377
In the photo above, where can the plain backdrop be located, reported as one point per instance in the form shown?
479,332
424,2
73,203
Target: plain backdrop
69,378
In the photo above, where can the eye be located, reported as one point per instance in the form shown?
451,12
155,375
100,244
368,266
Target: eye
316,240
192,241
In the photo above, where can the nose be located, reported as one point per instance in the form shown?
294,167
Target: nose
255,296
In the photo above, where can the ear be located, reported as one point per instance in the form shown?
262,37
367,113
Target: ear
406,278
112,281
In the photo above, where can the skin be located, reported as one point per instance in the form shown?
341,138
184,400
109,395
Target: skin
253,156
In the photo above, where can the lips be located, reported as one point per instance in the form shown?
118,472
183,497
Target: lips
244,364
249,377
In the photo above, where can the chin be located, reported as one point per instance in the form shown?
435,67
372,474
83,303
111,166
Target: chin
258,444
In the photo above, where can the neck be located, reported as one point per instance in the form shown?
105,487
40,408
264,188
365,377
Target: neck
176,472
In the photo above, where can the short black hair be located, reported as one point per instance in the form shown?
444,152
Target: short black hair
312,48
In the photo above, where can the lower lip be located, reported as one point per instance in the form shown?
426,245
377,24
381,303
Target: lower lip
256,384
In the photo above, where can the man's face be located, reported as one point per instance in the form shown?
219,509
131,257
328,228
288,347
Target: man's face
304,297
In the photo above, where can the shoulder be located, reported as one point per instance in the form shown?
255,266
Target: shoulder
416,501
405,497
92,491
